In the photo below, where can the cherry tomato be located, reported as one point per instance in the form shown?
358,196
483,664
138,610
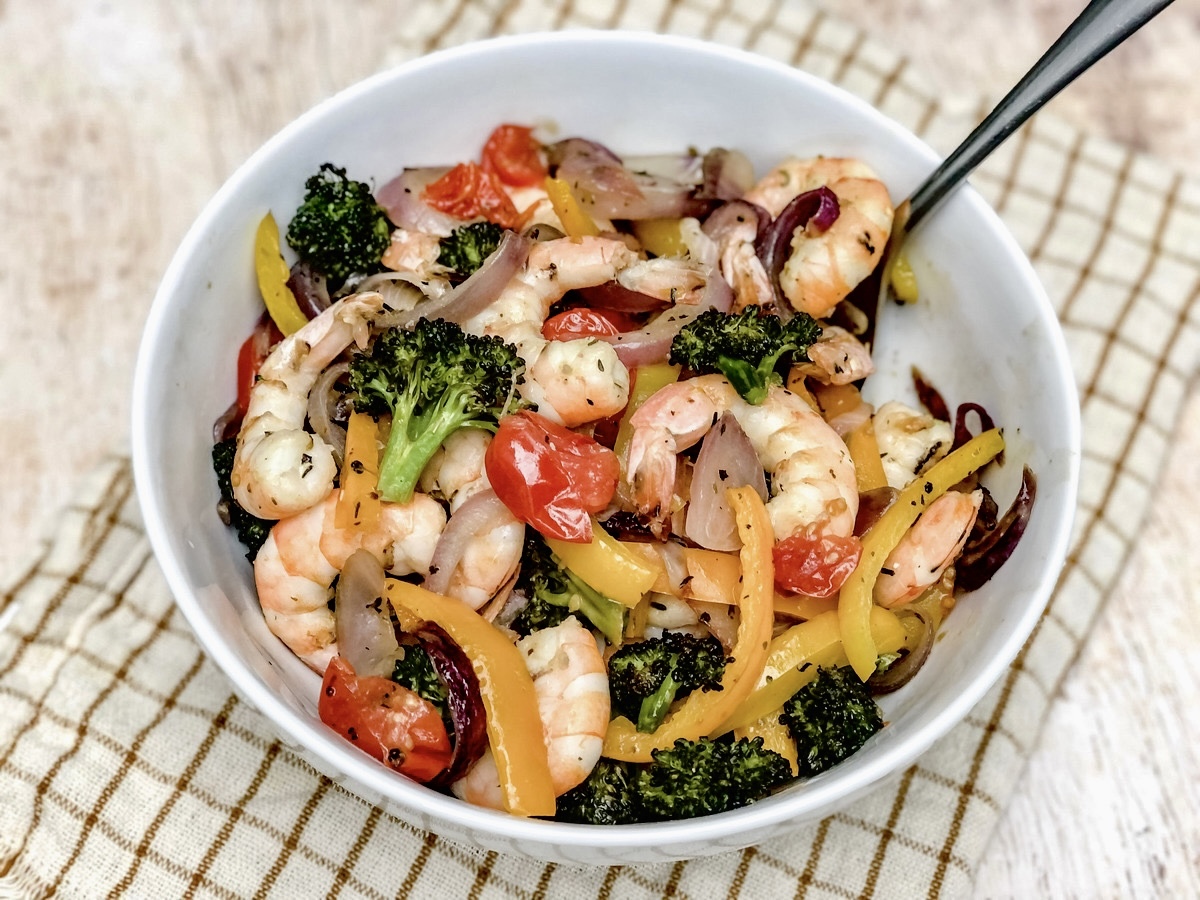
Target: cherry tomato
549,476
815,564
514,156
582,322
384,720
250,358
467,191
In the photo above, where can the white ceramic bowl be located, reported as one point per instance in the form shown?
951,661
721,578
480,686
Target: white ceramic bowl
983,331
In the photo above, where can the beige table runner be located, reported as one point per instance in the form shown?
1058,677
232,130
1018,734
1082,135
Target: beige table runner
127,766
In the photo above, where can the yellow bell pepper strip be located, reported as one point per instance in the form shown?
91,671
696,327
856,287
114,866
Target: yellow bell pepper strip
802,607
358,504
647,381
796,655
856,600
703,711
662,237
775,736
607,565
864,450
798,386
712,576
575,221
903,279
273,276
514,727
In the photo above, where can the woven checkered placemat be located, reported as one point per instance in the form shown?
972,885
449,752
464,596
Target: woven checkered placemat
128,766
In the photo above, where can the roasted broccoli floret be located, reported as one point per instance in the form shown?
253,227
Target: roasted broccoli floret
830,718
467,247
554,592
415,670
434,380
693,778
645,678
704,777
339,229
251,530
747,347
606,797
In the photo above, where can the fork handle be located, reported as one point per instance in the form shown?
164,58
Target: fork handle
1101,26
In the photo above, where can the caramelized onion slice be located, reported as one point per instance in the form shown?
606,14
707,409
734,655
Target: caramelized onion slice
470,522
902,670
365,635
983,556
726,460
466,704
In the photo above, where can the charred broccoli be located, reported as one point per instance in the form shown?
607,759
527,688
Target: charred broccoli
746,347
467,247
830,718
251,530
339,229
554,592
645,678
415,670
433,379
693,778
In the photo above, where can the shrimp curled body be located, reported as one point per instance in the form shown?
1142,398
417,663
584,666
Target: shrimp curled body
932,544
812,474
279,469
571,682
825,266
295,567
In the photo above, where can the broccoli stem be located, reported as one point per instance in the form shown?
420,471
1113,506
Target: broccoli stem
655,707
607,615
415,439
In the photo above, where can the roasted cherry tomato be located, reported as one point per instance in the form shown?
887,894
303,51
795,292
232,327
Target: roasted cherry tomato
582,322
549,476
514,156
467,191
384,720
817,565
250,358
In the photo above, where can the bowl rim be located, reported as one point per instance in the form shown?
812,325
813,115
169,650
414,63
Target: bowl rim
821,794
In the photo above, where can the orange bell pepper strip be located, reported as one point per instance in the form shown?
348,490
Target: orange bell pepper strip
514,727
273,273
703,711
857,597
358,504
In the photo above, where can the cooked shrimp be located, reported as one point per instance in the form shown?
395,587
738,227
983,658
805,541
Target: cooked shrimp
741,266
295,568
825,266
572,382
279,468
571,682
812,474
457,473
413,251
909,441
933,543
838,357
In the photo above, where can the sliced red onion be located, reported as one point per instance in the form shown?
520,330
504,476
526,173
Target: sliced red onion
727,174
365,635
982,557
463,698
479,291
871,506
731,217
930,397
816,209
684,168
227,424
962,433
470,522
652,344
726,460
308,287
610,190
902,670
322,407
614,295
401,200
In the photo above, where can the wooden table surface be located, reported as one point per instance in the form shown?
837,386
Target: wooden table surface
118,121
